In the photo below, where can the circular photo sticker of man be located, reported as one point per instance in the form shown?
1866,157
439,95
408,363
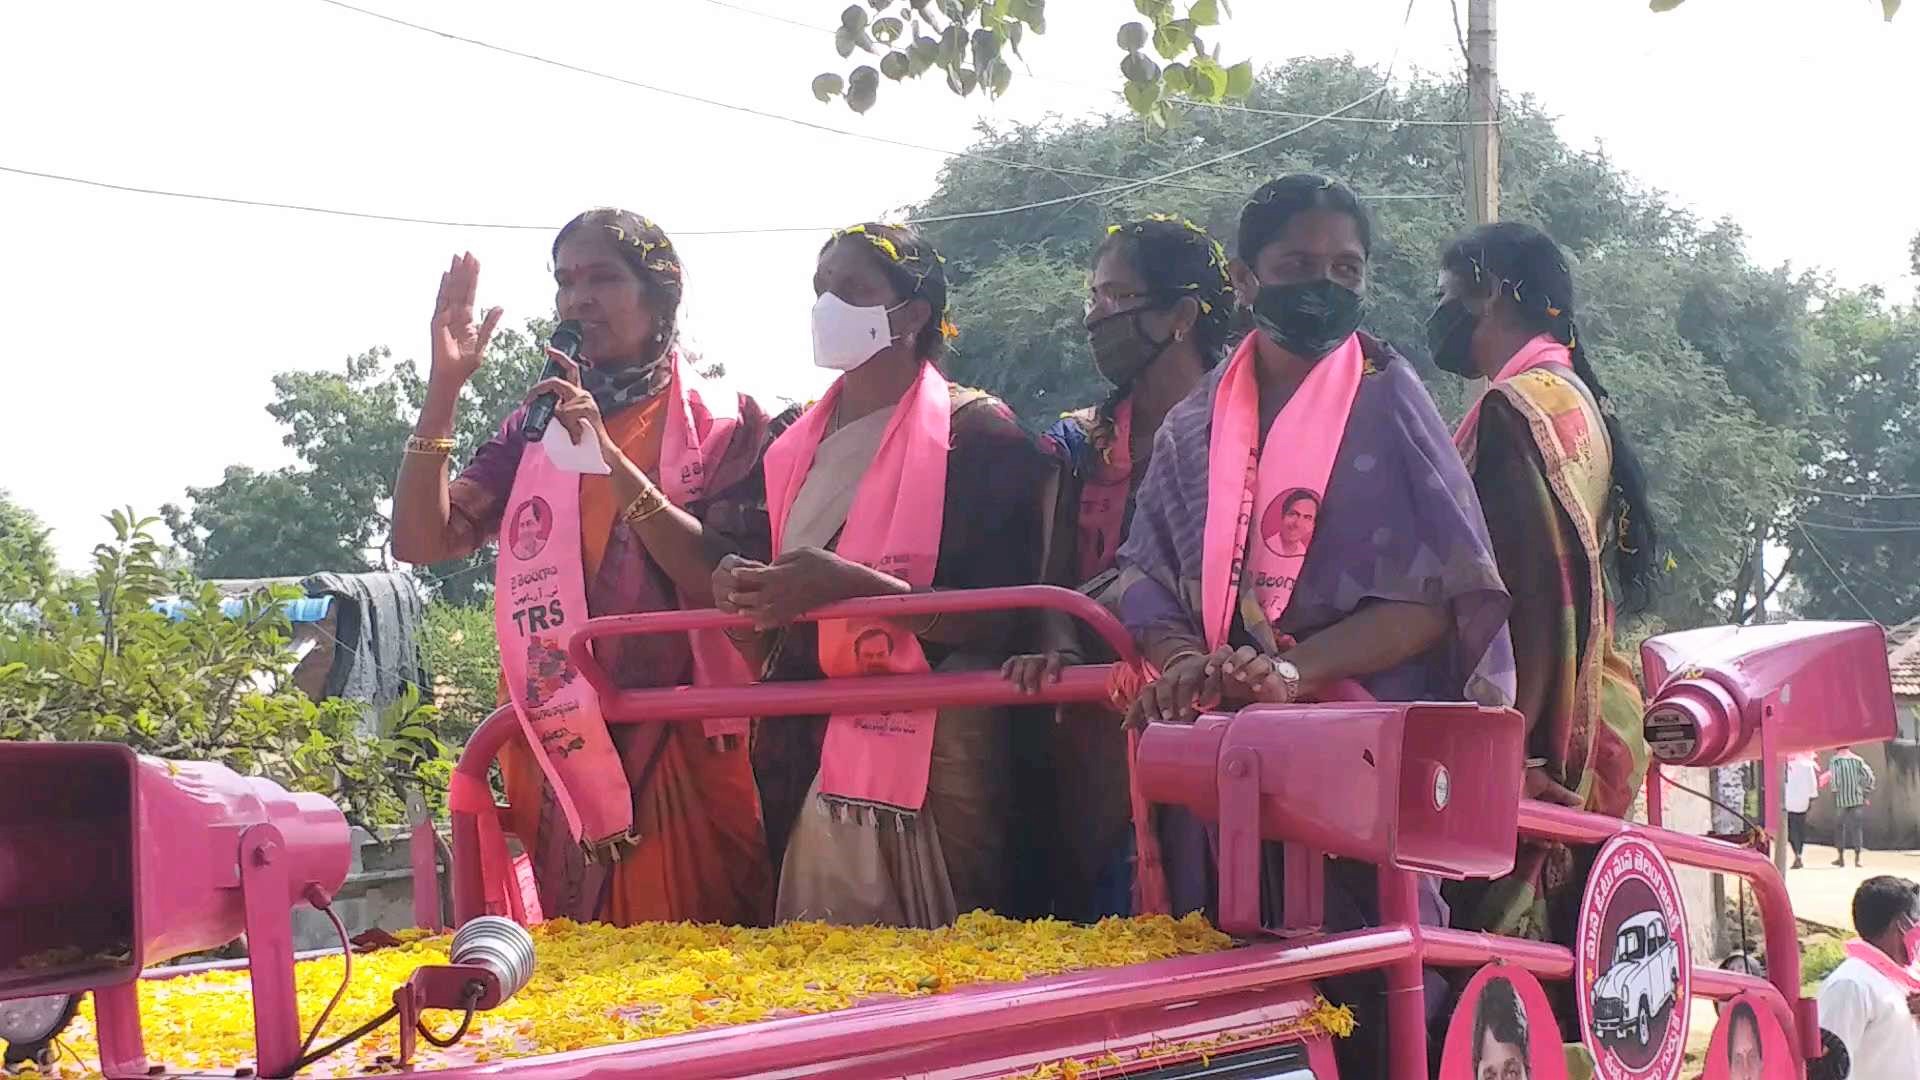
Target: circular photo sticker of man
528,527
1748,1044
1503,1029
1633,972
873,651
1286,525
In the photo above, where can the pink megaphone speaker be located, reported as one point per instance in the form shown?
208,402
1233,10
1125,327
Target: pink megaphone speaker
1421,787
1807,685
111,863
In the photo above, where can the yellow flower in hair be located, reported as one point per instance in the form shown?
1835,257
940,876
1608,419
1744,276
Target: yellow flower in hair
948,331
886,247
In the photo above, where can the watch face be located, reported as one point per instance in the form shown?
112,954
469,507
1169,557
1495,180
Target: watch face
30,1020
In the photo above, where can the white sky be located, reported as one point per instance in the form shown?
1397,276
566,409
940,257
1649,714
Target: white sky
147,329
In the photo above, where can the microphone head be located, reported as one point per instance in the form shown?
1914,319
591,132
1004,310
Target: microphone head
498,944
566,338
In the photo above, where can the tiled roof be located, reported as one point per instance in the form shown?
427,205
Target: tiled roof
1903,657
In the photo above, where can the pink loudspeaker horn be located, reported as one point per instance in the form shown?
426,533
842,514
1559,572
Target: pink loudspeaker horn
1807,685
1422,787
111,863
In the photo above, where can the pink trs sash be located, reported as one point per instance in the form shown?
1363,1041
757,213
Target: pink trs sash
1280,489
877,760
541,599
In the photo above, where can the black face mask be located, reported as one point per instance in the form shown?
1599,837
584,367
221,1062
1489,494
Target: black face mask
1121,347
1308,318
1450,338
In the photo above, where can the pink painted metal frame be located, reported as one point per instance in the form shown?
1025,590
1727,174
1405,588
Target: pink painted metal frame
834,1042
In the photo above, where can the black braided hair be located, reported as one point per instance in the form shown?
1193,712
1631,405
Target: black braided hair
1529,268
645,248
916,271
1279,201
1176,259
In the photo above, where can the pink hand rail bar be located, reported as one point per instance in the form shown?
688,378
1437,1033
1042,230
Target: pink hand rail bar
1077,684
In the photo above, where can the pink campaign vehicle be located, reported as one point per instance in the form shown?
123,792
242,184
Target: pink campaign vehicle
111,865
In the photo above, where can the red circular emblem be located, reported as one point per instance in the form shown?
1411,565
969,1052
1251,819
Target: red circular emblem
1633,968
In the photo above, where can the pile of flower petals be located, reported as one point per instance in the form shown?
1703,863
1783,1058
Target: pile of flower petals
597,985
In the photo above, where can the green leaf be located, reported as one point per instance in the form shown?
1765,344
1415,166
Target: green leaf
953,46
826,86
922,55
1176,79
1204,13
863,85
1240,80
1132,37
879,5
1138,68
1664,5
1014,32
896,66
986,46
1037,15
1142,96
1173,39
1209,79
1157,10
1891,7
854,18
999,77
844,42
888,30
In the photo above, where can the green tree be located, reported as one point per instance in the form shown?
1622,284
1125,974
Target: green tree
347,426
26,556
1854,526
89,659
457,645
1709,356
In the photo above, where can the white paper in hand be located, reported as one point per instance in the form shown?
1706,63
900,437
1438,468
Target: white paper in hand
570,456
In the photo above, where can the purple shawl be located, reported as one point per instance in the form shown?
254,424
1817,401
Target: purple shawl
1400,522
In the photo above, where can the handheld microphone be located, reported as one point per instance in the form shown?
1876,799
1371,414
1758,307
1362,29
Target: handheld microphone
566,338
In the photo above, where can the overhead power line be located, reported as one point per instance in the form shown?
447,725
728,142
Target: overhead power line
1198,103
1864,495
783,118
1837,578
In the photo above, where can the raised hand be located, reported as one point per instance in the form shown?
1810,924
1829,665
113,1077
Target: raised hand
459,344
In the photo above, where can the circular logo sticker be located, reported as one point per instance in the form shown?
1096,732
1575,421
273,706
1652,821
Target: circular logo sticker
1633,970
1749,1044
1503,1029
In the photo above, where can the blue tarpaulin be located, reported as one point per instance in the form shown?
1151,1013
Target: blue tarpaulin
302,610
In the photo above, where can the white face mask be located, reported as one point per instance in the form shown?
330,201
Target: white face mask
845,336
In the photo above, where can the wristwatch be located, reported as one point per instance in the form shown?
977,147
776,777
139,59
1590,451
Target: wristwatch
1289,677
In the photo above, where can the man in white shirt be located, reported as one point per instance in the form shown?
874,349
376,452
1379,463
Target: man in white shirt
1802,784
1872,999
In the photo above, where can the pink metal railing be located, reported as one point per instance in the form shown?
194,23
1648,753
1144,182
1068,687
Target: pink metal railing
1400,946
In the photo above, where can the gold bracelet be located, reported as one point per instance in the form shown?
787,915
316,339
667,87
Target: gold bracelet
433,447
649,502
1183,654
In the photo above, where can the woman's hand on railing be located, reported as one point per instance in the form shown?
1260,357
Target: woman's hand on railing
1541,785
797,582
1033,671
1183,691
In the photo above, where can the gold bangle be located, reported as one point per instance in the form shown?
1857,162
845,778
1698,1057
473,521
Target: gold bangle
1183,654
436,447
649,502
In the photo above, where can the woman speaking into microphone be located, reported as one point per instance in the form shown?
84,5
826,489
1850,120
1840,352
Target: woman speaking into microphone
638,822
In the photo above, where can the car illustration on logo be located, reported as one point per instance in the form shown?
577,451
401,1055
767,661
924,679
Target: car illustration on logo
1642,982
